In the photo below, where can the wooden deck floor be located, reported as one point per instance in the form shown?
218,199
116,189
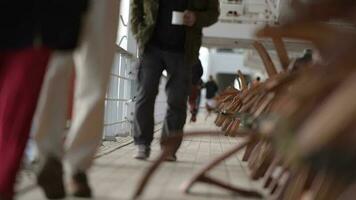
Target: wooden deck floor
115,175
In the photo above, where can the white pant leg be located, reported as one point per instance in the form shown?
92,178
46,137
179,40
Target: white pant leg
50,118
93,62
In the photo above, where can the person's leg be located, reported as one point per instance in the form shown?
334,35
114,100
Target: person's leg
149,75
50,118
177,89
198,101
93,63
50,122
21,76
193,102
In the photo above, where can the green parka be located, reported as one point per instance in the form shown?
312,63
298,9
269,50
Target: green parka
143,20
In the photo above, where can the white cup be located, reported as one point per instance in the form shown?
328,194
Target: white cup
177,18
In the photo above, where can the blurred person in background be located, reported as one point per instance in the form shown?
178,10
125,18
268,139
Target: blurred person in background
211,90
92,62
30,30
169,34
256,81
303,61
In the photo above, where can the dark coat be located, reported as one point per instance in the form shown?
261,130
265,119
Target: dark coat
197,73
51,23
143,21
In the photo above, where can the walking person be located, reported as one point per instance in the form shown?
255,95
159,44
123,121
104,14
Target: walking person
30,31
169,34
92,62
211,89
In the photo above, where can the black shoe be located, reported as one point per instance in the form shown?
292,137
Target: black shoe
50,178
80,185
193,118
2,197
143,152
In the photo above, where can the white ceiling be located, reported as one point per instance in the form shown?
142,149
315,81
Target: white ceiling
238,31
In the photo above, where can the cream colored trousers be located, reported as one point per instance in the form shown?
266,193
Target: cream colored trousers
92,62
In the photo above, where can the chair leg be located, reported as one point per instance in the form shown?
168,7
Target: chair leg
242,192
270,171
202,177
169,142
250,147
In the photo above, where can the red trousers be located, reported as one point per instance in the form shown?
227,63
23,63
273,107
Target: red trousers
21,76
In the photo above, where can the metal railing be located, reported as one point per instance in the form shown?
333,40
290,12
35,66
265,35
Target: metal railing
160,105
119,97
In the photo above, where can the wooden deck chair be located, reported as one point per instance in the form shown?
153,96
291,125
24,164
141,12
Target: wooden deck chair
266,59
282,52
313,124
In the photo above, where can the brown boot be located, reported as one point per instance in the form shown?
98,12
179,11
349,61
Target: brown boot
80,186
171,157
50,178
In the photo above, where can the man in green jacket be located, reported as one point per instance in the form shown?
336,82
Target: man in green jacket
169,34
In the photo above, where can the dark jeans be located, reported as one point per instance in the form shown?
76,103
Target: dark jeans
152,64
